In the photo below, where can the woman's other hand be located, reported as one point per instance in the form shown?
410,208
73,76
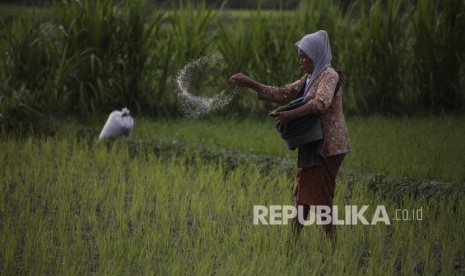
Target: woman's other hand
282,119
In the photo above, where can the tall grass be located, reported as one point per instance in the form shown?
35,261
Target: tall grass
399,57
113,37
90,56
240,45
182,35
378,60
68,207
23,69
439,39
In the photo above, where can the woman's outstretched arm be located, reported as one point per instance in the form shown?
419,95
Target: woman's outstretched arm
276,94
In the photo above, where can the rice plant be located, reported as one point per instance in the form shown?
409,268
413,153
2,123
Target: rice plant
409,147
70,207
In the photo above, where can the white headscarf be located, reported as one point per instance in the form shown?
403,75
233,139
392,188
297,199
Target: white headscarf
316,47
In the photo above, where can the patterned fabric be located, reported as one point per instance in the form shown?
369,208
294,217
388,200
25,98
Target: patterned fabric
316,185
321,99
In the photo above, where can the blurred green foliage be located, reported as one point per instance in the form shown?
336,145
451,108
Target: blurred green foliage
85,57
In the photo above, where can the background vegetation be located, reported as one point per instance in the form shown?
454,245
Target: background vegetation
85,57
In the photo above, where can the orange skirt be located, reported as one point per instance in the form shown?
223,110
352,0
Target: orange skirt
316,185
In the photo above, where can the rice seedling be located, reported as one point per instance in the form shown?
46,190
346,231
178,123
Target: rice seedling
411,147
68,207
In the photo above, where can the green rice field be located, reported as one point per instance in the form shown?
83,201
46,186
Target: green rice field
73,206
429,147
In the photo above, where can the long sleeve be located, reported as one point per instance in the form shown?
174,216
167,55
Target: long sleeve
323,100
282,94
323,96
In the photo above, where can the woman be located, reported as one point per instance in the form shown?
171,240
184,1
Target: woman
318,163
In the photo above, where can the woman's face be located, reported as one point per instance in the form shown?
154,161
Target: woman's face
306,63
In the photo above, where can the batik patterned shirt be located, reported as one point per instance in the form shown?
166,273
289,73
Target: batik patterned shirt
321,98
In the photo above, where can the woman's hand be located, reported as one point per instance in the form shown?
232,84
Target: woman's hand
282,119
244,81
241,80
